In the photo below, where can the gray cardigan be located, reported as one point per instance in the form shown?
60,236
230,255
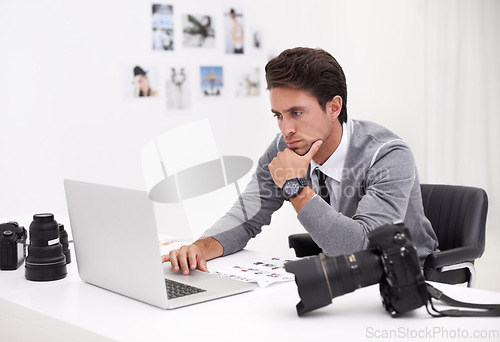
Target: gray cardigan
379,185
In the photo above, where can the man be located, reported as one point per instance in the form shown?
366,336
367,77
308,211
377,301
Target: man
343,177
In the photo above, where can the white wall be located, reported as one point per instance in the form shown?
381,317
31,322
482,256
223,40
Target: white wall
63,114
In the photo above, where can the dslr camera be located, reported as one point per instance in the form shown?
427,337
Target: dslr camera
390,260
12,245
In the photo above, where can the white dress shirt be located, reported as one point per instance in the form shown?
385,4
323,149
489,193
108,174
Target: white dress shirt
333,167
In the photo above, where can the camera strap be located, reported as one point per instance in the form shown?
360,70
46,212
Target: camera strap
482,310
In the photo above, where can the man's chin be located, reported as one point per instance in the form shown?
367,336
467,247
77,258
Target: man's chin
301,150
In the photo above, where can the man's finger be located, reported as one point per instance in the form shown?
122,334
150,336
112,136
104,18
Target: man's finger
183,260
202,265
192,259
173,261
314,148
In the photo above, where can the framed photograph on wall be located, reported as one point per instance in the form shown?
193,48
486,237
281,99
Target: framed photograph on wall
198,31
178,82
163,27
234,30
140,81
247,80
212,81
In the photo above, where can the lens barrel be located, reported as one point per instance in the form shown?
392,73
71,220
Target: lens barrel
45,260
346,273
321,278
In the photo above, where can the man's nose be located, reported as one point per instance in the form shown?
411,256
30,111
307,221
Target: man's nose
287,126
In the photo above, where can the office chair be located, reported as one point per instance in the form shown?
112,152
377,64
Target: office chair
458,216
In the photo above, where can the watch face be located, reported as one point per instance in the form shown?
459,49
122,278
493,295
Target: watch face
291,187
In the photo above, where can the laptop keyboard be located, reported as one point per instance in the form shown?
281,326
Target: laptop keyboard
176,290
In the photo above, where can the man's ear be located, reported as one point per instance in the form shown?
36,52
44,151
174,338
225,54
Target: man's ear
334,106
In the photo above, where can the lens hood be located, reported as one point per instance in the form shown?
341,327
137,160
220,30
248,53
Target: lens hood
312,283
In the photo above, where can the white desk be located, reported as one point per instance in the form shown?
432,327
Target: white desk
69,309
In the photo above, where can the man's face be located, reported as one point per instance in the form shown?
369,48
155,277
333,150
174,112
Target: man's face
301,119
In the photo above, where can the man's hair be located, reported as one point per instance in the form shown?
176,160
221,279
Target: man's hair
313,70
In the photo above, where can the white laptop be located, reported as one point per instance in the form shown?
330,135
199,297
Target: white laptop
117,248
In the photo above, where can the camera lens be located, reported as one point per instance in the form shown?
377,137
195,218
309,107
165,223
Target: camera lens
347,273
45,260
321,278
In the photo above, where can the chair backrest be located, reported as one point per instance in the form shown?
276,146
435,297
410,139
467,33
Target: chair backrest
457,214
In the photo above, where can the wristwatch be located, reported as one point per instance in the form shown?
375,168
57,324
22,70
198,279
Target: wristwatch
293,187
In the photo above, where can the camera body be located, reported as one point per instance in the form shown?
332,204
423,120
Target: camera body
390,260
402,285
12,245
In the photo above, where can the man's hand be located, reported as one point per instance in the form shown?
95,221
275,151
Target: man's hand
194,256
288,164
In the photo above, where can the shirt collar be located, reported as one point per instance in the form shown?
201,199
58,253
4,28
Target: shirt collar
333,166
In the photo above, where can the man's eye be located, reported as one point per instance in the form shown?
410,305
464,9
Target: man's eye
278,116
296,113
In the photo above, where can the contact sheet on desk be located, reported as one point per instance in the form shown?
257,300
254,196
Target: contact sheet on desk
264,272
